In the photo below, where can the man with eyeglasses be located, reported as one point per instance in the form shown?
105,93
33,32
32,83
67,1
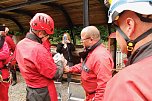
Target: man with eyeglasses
133,22
96,67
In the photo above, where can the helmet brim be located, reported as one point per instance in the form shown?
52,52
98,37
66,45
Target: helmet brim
138,7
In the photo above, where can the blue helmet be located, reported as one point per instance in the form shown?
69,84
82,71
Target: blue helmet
138,6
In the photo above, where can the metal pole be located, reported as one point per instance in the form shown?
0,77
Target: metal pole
85,13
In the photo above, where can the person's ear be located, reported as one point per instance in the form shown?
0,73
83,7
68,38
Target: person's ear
130,23
40,34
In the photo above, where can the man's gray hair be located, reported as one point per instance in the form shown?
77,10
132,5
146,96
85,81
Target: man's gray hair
92,31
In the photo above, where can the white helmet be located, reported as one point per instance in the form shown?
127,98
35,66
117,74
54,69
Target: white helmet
138,6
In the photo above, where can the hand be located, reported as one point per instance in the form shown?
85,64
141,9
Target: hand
66,69
45,38
67,41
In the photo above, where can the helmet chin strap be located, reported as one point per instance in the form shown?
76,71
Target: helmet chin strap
131,43
44,36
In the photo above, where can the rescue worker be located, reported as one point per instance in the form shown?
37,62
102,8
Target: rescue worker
96,67
11,59
35,61
4,72
133,22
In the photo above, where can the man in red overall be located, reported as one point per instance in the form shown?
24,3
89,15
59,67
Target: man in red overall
35,61
96,68
11,59
4,72
133,22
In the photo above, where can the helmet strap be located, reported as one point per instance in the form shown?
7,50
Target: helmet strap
121,32
130,47
44,36
131,43
144,19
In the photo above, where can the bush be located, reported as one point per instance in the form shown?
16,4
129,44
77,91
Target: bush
58,33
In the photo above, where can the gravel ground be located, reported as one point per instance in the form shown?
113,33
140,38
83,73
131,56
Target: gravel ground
18,91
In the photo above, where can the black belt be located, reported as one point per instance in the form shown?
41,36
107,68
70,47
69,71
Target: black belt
7,79
91,92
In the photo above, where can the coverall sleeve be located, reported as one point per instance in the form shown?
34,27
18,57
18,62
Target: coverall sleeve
11,43
45,63
47,45
76,68
116,87
4,52
103,69
71,47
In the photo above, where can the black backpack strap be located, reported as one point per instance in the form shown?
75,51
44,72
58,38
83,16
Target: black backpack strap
84,66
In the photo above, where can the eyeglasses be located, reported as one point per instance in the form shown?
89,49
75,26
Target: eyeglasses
84,39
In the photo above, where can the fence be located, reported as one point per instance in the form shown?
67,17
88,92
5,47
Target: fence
120,60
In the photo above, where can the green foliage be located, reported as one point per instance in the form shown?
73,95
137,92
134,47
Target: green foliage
57,36
77,30
10,33
58,33
103,33
15,33
18,33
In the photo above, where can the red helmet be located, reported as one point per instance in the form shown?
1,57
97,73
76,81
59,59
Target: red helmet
42,21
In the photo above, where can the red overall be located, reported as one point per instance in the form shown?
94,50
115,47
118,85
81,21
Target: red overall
47,45
100,64
11,46
4,86
36,65
133,83
10,43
